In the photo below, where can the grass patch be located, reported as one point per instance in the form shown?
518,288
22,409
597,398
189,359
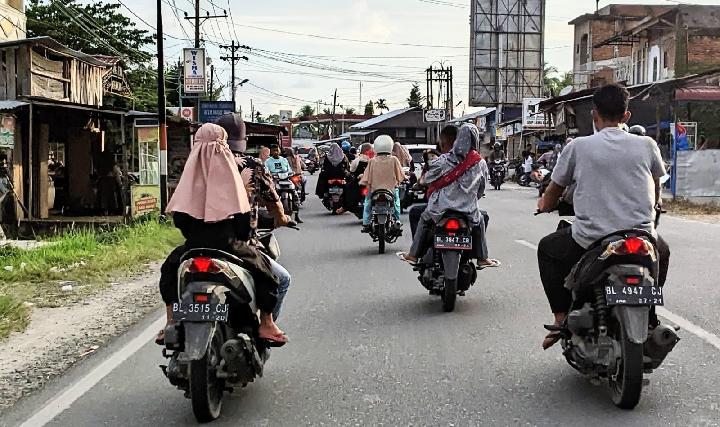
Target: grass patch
89,258
685,207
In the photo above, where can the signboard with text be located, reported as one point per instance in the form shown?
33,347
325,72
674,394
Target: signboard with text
145,200
434,116
195,80
210,111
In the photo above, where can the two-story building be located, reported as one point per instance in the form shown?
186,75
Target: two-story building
595,64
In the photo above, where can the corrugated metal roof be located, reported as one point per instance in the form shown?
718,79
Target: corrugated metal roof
367,124
700,93
58,47
11,105
475,115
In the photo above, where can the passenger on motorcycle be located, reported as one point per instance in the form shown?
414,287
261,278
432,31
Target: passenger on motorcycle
617,188
353,198
549,159
383,173
335,166
297,167
456,181
261,192
212,211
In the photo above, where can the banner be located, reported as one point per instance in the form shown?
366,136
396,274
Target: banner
145,200
7,131
195,80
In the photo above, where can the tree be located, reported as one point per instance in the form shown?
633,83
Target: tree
259,117
95,28
415,99
554,82
369,109
327,111
143,81
274,119
381,104
306,111
349,110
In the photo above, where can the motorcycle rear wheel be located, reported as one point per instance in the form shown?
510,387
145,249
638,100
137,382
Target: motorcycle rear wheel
287,206
449,295
627,388
381,239
206,390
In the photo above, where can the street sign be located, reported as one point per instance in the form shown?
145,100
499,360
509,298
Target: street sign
210,111
532,117
194,71
285,116
434,116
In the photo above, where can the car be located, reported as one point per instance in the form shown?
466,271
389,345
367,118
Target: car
416,151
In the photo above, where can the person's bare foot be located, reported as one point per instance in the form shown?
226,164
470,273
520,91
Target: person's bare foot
407,257
485,263
340,211
268,328
554,336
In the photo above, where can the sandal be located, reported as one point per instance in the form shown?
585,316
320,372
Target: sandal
402,255
551,339
275,341
493,263
160,338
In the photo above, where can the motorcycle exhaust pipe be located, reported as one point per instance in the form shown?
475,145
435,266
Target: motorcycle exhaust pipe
661,342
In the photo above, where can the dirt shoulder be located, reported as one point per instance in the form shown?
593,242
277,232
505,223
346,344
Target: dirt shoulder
708,213
56,338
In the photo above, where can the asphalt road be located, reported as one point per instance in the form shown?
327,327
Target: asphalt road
369,346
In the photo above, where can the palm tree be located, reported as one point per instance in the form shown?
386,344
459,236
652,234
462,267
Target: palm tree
349,110
306,111
381,104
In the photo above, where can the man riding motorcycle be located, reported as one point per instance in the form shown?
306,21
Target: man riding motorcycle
383,173
277,164
497,153
605,201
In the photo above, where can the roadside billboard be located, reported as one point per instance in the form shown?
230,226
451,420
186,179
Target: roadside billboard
210,111
195,78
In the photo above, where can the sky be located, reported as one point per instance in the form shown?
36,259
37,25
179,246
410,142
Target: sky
303,51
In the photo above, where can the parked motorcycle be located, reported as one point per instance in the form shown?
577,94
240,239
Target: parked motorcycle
608,334
333,199
214,346
384,228
497,173
448,268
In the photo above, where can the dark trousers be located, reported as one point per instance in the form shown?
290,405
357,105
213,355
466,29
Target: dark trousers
416,212
266,284
422,238
557,255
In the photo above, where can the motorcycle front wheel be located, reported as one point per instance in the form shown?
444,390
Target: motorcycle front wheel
627,386
206,390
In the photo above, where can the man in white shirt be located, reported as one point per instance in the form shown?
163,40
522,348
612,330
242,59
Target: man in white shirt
617,188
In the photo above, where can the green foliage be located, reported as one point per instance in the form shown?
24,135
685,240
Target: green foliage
381,104
306,111
416,98
95,28
370,108
554,82
349,110
90,258
274,119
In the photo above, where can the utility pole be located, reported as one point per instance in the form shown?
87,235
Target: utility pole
199,20
361,104
212,80
332,118
162,119
233,58
252,110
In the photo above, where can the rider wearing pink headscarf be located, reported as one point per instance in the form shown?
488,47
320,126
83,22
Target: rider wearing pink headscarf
211,209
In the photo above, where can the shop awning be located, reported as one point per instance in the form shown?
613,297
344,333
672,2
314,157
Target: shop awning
700,93
11,105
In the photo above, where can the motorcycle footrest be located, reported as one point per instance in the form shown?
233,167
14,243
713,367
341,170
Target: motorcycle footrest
555,328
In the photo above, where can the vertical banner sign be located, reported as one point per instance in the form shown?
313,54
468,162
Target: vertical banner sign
194,71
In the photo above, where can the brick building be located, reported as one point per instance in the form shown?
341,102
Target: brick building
594,64
681,41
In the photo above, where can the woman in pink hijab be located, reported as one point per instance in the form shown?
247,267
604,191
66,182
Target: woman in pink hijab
211,209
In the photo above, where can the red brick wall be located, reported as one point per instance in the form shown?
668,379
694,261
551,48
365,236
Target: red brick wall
703,52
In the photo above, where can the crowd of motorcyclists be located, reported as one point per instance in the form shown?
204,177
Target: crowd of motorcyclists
223,195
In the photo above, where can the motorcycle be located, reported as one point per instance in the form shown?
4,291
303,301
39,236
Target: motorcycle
384,228
608,334
497,173
311,166
333,199
213,346
448,268
286,186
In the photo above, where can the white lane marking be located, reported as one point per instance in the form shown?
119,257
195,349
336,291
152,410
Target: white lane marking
678,320
689,326
67,397
527,244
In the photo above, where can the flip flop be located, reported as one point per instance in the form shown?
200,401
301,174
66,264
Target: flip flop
401,255
160,339
275,341
495,263
551,339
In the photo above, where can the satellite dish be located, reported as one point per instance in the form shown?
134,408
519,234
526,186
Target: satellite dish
566,90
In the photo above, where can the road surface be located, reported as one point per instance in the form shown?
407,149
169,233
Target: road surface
369,346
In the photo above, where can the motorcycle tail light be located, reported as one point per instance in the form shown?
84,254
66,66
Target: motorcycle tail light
203,265
364,191
452,225
630,246
336,182
201,298
633,280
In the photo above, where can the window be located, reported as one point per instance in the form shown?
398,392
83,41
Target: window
584,49
401,133
665,60
420,133
148,139
655,69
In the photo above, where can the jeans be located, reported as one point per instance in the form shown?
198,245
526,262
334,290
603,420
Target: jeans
367,211
284,281
557,255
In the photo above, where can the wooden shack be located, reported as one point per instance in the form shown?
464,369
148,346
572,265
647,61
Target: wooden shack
67,155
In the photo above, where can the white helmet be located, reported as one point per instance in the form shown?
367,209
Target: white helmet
383,144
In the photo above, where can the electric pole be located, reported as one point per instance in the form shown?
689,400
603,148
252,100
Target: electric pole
199,20
212,80
233,58
332,118
162,118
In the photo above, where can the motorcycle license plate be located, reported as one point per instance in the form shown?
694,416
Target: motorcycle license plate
200,312
462,243
335,190
633,295
382,210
